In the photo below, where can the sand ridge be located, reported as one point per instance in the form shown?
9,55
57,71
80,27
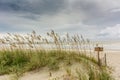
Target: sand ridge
113,60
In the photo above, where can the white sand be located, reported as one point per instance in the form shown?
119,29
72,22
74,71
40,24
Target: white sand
113,59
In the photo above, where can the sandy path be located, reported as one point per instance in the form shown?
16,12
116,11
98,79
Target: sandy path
113,59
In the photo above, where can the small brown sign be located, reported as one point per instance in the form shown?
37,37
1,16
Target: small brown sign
98,48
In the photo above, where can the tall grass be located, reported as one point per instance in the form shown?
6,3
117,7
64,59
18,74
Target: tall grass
52,39
22,61
20,54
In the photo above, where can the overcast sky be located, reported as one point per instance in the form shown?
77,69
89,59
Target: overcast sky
95,19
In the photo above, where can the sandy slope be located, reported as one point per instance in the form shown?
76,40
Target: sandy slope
36,75
45,74
113,60
42,75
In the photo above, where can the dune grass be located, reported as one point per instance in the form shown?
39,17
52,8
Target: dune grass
25,53
19,62
22,61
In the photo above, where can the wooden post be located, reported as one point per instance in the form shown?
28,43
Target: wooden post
98,49
105,60
99,62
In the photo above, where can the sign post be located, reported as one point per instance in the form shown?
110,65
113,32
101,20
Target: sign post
99,49
105,60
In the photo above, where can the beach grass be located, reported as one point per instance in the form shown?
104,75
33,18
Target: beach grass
24,61
25,53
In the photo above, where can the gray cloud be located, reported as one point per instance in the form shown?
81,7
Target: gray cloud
61,15
98,12
5,28
32,6
89,8
94,12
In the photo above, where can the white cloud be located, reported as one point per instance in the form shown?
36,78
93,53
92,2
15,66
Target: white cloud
115,10
43,22
111,32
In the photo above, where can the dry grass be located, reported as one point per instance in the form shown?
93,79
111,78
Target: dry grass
20,54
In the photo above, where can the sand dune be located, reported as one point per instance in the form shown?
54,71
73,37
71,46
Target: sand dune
113,60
